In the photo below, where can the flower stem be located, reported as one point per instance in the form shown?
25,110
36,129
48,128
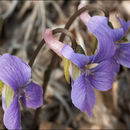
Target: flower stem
80,11
48,71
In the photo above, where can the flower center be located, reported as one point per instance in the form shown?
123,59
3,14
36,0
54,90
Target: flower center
89,67
20,92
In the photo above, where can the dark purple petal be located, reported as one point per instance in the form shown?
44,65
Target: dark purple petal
82,94
14,72
12,116
122,54
101,76
33,97
78,59
98,25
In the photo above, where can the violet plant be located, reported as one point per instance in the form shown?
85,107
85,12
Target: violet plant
86,72
98,70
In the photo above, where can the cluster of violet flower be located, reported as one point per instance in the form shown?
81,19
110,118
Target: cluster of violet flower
99,70
86,72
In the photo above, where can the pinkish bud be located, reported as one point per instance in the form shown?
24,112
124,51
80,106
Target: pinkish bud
52,43
84,16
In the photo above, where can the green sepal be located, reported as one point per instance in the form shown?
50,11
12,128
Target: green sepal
110,25
1,86
124,39
75,72
9,93
79,49
75,69
94,45
66,69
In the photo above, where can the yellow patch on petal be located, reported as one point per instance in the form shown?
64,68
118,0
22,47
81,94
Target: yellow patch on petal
9,93
75,72
1,86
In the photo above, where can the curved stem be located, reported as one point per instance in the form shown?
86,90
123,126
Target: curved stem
36,53
58,30
80,11
54,57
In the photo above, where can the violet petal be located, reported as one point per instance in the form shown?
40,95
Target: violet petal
98,25
82,94
12,116
78,59
33,97
14,71
101,76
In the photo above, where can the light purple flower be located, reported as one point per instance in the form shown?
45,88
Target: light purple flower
16,74
95,71
99,76
122,51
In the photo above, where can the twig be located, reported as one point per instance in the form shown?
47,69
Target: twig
10,10
62,100
127,76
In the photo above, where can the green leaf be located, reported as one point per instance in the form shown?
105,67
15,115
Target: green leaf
1,86
9,93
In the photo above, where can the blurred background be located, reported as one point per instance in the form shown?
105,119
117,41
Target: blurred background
22,24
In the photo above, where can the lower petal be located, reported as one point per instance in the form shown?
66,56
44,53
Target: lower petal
12,116
33,97
82,95
102,76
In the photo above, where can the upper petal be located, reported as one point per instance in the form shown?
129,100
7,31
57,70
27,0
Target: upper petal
82,94
78,59
98,25
33,97
122,55
12,116
14,71
101,76
125,25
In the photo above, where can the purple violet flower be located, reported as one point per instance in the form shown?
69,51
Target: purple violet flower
16,74
97,75
92,74
122,51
